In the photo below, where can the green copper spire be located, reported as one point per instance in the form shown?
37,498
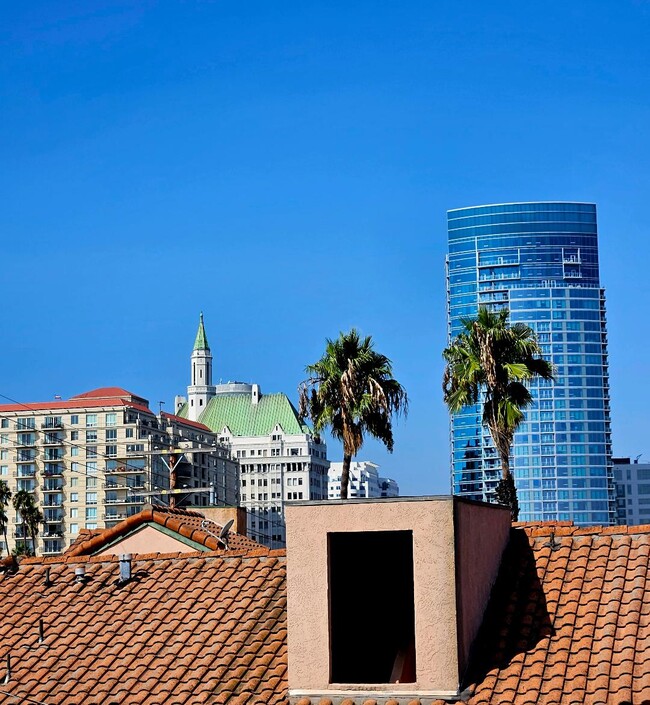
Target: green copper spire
201,342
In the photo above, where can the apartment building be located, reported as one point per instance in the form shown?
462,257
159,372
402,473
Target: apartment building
281,459
364,481
95,459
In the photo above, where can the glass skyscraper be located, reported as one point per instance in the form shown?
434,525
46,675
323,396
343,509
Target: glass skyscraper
540,260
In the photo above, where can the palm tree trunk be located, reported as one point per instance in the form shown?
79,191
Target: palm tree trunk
345,475
4,531
33,541
505,465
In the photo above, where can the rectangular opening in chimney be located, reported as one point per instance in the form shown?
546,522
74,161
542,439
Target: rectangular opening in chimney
371,607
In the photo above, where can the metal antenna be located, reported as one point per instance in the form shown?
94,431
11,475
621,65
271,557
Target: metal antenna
41,631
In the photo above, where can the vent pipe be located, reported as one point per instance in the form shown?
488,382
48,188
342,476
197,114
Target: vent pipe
125,567
8,674
80,574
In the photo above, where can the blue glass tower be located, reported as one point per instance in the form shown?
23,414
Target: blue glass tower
541,261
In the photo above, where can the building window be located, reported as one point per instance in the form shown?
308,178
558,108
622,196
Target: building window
5,423
91,497
91,512
111,434
91,525
389,643
129,433
74,435
74,528
91,420
91,451
111,451
74,497
74,513
111,419
74,419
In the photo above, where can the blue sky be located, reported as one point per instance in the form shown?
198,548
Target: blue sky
286,168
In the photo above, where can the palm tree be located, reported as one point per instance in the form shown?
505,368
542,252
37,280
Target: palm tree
351,391
31,515
5,496
498,359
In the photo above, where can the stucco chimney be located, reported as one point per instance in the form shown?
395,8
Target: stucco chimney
386,596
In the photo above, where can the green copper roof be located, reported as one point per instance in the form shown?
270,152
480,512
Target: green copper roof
244,418
201,342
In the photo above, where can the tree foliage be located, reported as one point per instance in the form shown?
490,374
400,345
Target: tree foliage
31,515
492,357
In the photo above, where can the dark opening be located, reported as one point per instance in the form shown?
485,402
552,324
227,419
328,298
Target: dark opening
371,610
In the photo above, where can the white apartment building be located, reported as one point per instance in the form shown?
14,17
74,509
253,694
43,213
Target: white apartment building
632,481
280,458
364,481
96,458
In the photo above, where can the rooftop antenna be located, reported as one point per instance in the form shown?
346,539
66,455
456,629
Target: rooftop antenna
222,536
636,460
552,543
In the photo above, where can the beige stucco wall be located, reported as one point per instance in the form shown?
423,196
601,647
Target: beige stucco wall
147,540
432,524
222,515
482,533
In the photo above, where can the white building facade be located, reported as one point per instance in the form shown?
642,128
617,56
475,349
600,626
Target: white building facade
365,481
280,458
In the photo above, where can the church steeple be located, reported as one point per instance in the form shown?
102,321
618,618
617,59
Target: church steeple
200,390
201,342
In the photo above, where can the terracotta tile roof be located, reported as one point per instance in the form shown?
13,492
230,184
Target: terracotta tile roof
106,393
568,622
185,422
79,403
569,618
188,628
185,522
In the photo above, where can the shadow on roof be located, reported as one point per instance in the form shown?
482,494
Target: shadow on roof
516,618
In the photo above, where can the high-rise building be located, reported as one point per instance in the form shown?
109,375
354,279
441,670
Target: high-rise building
364,481
632,491
540,260
95,459
280,458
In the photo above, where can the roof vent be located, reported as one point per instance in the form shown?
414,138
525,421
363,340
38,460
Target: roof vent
125,567
80,574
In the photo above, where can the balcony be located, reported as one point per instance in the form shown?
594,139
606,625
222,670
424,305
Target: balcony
53,517
53,454
53,422
52,503
52,548
52,440
53,485
53,534
56,471
25,442
25,473
123,469
114,517
25,457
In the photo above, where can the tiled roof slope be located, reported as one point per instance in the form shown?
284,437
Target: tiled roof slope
569,619
188,628
244,418
184,522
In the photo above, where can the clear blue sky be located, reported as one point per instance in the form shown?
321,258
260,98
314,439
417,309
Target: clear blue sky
286,168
